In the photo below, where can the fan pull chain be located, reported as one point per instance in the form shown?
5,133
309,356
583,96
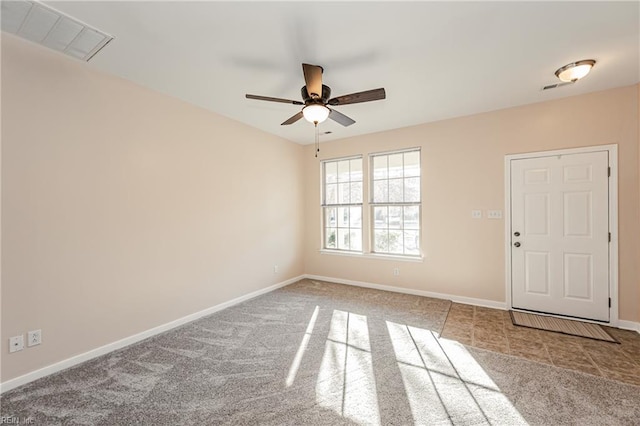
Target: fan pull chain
317,138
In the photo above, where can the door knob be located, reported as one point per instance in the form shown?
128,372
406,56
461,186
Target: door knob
517,234
517,244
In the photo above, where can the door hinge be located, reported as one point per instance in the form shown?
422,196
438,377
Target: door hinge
609,302
609,236
609,171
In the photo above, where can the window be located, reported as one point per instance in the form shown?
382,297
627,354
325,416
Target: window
342,204
395,203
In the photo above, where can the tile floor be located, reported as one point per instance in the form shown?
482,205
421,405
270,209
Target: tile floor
492,329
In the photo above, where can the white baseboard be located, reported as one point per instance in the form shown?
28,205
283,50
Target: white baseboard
110,347
629,325
626,325
623,324
458,299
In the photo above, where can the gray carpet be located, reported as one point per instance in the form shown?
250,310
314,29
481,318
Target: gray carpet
321,354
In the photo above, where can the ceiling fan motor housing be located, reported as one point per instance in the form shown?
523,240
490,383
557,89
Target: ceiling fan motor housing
326,94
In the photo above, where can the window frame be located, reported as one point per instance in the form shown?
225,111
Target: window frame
402,204
324,206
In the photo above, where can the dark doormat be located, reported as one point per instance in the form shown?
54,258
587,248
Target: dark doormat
559,325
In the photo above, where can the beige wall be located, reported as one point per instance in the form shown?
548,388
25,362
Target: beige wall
463,169
124,209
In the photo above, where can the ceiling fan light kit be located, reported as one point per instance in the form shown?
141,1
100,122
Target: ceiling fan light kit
315,113
575,71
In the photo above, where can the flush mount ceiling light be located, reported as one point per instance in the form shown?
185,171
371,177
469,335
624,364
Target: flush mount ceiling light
575,71
315,113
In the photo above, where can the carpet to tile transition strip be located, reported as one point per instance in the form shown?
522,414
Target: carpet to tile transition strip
559,325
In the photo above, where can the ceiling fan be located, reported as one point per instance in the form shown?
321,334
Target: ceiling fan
316,98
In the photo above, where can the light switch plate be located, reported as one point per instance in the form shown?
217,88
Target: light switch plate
494,214
476,214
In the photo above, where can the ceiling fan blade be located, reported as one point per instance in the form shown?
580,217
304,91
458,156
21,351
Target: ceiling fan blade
313,79
270,99
293,119
339,117
356,98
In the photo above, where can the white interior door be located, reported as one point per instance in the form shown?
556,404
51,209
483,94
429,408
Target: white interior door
560,234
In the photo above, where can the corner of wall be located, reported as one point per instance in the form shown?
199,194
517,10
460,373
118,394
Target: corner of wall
638,237
116,198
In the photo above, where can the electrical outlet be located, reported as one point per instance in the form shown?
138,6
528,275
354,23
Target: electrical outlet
16,343
396,272
476,214
34,337
494,214
275,269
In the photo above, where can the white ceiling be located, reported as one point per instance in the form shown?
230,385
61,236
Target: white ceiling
436,60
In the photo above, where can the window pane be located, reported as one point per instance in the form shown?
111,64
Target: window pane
395,217
411,242
412,217
331,238
412,189
395,242
356,169
344,191
356,192
395,166
380,217
343,217
355,217
380,191
380,167
381,241
343,171
396,182
412,164
343,239
330,217
331,194
356,239
395,190
330,172
343,186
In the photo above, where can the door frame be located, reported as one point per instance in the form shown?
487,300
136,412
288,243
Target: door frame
613,219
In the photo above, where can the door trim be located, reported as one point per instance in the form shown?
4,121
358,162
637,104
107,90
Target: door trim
613,217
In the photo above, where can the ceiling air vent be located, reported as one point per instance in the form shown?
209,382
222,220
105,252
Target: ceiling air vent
41,24
556,85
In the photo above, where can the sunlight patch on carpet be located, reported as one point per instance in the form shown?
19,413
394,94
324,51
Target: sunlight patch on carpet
443,382
346,382
295,365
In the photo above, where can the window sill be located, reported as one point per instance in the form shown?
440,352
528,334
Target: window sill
416,259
